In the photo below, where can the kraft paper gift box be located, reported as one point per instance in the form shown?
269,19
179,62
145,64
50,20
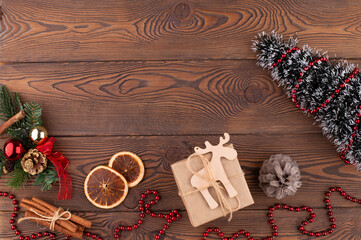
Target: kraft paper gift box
199,212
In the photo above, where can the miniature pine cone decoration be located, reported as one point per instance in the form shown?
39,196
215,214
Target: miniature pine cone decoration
279,176
8,166
34,162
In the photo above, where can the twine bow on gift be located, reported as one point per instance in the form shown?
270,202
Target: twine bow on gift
52,219
212,181
60,163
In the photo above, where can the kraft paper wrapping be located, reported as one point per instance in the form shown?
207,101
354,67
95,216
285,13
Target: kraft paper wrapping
197,208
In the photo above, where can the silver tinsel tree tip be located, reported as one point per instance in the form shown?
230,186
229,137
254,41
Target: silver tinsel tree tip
279,176
329,91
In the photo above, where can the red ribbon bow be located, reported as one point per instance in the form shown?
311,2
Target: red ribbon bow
60,163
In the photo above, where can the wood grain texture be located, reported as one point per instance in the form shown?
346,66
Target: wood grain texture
348,222
160,77
39,30
319,164
156,98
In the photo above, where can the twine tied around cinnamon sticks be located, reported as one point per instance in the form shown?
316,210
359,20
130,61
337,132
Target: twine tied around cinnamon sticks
53,217
58,215
224,204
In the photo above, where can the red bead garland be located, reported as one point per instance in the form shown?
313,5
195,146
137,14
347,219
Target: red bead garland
284,55
144,209
300,80
174,215
14,216
328,100
301,228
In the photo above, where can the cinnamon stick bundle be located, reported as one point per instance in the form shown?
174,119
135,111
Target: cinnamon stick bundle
40,212
27,204
58,228
81,221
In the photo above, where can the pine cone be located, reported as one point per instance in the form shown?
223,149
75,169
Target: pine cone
8,166
279,176
34,162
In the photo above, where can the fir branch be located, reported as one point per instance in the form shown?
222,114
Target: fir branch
18,178
47,178
33,113
22,135
2,161
1,168
17,133
18,102
9,104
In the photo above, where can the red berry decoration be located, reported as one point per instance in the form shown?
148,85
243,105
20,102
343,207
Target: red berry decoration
13,150
174,215
144,209
302,226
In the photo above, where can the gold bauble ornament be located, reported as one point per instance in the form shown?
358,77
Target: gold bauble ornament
38,135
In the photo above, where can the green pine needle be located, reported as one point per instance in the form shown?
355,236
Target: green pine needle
2,161
18,177
1,168
17,101
47,178
33,113
9,104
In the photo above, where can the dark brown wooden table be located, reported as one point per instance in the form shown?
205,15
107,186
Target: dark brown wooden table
159,77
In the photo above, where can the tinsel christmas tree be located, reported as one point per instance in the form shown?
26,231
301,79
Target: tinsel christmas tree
329,91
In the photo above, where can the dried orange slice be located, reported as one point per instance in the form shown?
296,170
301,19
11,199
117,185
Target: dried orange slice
129,165
105,188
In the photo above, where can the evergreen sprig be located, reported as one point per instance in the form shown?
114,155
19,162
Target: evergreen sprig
33,113
10,104
18,177
2,161
7,104
47,178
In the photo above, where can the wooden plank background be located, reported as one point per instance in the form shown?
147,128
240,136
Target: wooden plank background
160,77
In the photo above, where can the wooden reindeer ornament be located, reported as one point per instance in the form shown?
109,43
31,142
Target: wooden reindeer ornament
200,180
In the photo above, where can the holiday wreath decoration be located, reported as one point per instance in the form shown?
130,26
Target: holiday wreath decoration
329,91
29,151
